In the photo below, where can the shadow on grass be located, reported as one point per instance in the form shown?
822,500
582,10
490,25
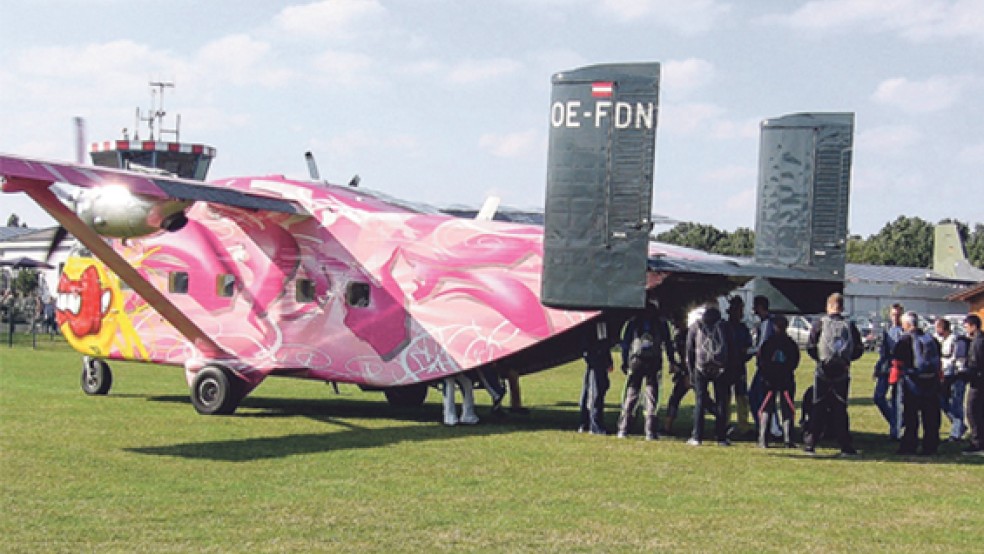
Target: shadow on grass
340,412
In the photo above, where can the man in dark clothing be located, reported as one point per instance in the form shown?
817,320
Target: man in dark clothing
780,356
709,350
921,389
765,329
646,336
974,375
681,375
597,355
743,352
834,343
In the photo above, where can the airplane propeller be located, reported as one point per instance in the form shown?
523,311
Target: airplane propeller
68,198
60,232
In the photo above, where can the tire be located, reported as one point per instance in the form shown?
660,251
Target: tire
410,396
215,391
97,378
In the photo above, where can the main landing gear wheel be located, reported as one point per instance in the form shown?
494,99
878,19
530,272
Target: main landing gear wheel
96,376
215,391
410,396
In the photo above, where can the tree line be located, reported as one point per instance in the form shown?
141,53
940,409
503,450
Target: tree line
907,241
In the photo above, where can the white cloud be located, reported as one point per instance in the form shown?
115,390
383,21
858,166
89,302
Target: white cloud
512,145
688,118
972,153
478,71
731,174
239,60
725,129
742,201
683,76
345,68
349,145
915,20
688,18
328,18
887,140
932,95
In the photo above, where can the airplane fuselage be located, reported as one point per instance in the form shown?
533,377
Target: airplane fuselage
359,290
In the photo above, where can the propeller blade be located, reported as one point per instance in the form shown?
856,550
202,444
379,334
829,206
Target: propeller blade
56,240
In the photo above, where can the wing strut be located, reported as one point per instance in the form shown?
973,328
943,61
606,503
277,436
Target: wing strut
46,199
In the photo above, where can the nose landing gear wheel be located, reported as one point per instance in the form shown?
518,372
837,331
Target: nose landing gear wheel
97,378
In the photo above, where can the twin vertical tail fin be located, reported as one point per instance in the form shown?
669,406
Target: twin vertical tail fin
803,196
950,261
600,186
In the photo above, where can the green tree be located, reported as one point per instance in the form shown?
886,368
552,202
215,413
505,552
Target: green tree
739,243
907,241
975,246
692,235
26,281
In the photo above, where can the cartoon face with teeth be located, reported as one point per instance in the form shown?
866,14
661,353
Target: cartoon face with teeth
84,306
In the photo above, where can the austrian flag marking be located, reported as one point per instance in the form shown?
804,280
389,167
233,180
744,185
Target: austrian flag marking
602,89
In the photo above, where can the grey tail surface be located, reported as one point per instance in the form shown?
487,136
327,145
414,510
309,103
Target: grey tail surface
804,187
600,186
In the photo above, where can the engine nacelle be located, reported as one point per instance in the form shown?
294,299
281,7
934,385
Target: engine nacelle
114,211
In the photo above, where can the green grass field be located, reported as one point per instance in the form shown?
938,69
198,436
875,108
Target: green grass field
300,469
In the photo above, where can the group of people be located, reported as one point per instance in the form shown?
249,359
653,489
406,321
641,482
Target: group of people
917,377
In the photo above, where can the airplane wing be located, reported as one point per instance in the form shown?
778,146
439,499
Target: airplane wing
35,177
671,258
22,173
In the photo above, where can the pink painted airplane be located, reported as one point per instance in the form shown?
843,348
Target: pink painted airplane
244,278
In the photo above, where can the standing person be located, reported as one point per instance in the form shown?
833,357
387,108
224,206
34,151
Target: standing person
974,375
492,383
917,358
597,355
681,375
709,347
890,410
515,395
642,360
780,356
468,415
743,352
834,343
953,354
766,328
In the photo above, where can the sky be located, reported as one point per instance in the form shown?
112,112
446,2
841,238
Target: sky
447,101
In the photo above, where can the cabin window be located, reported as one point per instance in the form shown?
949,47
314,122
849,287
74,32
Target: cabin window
225,285
304,290
177,282
357,294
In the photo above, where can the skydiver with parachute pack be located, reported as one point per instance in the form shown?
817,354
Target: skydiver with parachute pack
834,343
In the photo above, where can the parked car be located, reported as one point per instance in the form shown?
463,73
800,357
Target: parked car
799,329
870,334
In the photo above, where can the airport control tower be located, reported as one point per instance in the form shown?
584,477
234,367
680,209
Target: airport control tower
188,161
